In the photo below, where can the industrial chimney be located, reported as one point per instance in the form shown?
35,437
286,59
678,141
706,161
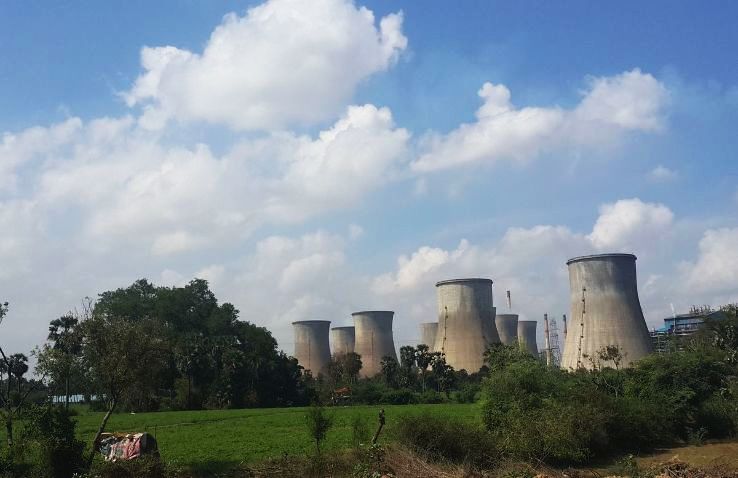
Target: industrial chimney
605,310
507,328
428,334
464,306
527,336
312,350
374,340
342,339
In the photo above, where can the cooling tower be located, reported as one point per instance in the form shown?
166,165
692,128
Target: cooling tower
342,340
507,328
610,313
490,329
374,340
527,336
464,306
311,344
428,334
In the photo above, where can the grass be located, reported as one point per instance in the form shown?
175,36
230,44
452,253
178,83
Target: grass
215,440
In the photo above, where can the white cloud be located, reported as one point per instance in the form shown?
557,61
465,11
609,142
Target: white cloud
128,186
716,267
609,108
629,224
662,174
284,62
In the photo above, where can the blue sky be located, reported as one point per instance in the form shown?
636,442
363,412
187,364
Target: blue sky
612,128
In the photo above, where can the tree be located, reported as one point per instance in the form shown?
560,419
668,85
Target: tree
318,424
423,358
443,373
119,356
11,399
390,370
59,360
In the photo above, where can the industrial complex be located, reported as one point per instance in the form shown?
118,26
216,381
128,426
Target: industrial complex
605,312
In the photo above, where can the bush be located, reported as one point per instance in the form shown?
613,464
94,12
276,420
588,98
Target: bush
318,423
144,467
468,393
430,396
58,452
717,416
446,439
359,430
402,396
367,392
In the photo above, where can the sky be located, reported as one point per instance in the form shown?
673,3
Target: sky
310,159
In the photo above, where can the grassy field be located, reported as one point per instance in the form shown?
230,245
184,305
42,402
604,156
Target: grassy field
218,439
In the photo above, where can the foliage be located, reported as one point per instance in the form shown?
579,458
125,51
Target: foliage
52,430
318,423
447,439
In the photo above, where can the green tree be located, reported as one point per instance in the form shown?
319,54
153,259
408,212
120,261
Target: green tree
390,371
423,359
59,359
120,357
318,423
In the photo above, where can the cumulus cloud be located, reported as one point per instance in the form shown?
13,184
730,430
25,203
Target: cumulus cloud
610,107
126,185
284,62
629,224
716,267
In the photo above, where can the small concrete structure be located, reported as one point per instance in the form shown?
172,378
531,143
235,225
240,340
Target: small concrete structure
527,336
605,310
312,349
428,334
374,341
507,328
465,322
342,340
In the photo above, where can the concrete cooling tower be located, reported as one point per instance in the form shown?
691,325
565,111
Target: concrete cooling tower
428,334
374,340
507,328
312,350
342,340
490,329
465,322
527,336
605,310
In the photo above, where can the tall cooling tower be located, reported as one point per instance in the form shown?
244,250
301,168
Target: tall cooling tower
342,340
527,336
605,310
464,306
490,329
312,350
373,339
428,334
507,328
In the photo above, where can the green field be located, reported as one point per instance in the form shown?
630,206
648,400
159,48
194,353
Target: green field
218,439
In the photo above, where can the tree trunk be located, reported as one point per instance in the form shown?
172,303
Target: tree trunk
66,392
100,431
9,431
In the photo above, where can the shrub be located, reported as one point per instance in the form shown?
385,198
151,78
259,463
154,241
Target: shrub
59,453
402,396
318,423
431,396
144,467
467,394
717,416
446,439
359,430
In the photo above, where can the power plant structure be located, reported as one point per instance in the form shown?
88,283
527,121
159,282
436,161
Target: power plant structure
465,322
527,336
507,328
312,349
342,340
428,334
490,328
373,339
605,311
